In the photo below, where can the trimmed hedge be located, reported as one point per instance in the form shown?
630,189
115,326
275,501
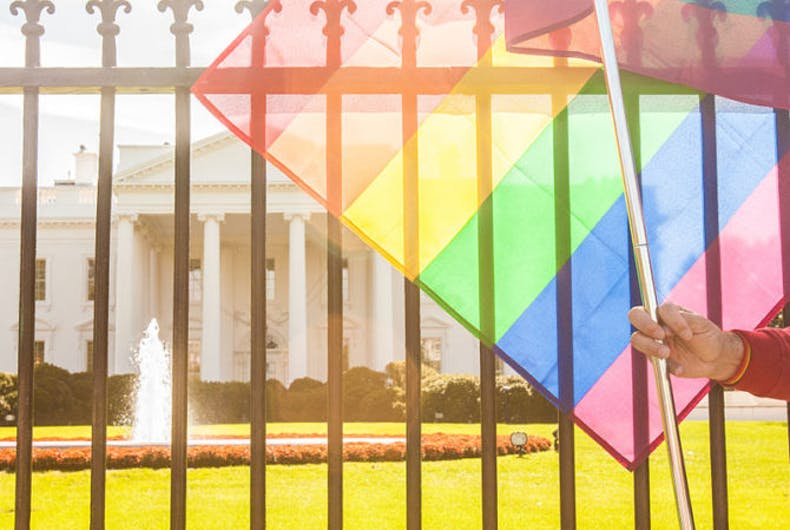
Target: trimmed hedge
434,447
63,398
456,398
8,398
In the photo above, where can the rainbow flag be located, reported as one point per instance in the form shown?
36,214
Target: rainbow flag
739,49
492,180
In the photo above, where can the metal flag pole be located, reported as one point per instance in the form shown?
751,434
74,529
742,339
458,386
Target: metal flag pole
642,259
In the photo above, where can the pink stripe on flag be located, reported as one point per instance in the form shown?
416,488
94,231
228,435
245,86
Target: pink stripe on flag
751,269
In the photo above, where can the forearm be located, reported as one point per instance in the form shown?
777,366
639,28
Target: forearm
731,364
768,371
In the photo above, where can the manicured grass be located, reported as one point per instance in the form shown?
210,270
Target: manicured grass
397,428
374,494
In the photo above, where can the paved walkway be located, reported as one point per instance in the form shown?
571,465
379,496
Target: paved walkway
64,444
741,406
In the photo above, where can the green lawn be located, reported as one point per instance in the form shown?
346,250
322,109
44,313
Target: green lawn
759,487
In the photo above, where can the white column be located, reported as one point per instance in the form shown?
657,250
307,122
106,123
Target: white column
297,297
382,314
124,294
153,282
211,344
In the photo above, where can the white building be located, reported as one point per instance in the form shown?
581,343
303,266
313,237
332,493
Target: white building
141,273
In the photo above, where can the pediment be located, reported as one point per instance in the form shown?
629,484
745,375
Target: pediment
221,159
85,326
434,323
348,323
41,325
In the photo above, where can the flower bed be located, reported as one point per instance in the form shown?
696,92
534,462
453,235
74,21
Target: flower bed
434,447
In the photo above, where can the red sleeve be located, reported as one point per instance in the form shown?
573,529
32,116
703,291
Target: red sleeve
768,373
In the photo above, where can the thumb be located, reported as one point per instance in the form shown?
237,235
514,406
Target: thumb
697,322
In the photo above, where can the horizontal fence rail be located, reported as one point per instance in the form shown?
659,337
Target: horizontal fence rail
407,80
424,80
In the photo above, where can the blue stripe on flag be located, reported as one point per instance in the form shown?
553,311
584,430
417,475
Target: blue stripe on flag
674,216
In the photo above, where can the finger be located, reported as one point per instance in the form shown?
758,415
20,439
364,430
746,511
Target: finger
649,346
642,321
672,316
675,369
697,322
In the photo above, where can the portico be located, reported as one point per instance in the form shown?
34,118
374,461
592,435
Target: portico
141,274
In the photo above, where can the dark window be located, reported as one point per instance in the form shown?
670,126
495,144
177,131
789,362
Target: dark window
38,351
271,280
41,279
194,357
195,280
89,356
432,352
91,279
345,280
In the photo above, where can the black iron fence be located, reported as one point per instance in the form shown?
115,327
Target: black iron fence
108,80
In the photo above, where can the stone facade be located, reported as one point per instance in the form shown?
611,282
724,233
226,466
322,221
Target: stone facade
141,273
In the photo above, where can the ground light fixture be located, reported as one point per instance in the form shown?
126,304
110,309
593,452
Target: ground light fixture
518,440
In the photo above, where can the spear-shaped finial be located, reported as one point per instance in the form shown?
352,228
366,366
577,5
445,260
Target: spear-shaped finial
181,28
409,9
32,29
107,28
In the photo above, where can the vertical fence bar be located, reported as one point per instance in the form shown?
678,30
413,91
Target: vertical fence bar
484,31
108,30
178,443
258,335
32,31
707,35
632,14
100,309
258,357
335,318
335,372
27,309
334,172
411,252
258,302
562,239
641,475
718,452
413,413
782,123
412,319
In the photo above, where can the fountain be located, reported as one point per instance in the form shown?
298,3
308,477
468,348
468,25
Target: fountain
152,404
152,414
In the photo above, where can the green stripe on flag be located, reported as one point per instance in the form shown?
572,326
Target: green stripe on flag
523,206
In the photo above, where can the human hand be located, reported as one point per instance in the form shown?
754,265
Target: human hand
693,345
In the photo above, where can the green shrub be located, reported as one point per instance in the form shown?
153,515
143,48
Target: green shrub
8,398
120,399
367,396
213,402
61,398
52,396
518,402
455,398
306,400
81,385
451,398
276,395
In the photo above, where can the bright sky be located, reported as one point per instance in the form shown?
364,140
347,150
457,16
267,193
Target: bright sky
71,39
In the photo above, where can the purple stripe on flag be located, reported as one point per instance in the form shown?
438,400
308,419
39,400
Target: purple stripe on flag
751,286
